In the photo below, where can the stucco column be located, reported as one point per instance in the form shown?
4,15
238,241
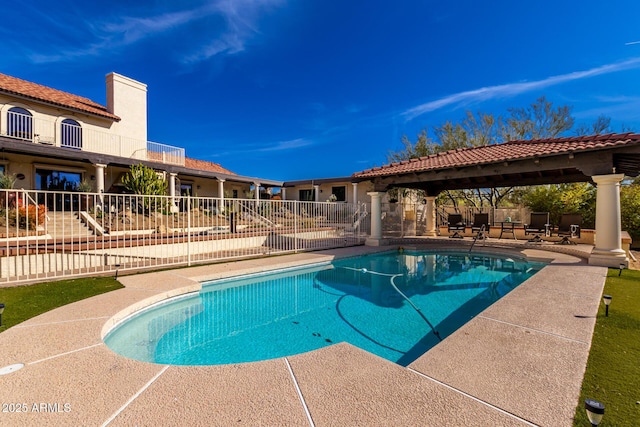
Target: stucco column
376,220
355,192
221,194
608,250
257,194
283,193
221,189
100,177
172,191
316,193
430,216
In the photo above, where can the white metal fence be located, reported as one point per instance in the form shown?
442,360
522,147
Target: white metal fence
47,234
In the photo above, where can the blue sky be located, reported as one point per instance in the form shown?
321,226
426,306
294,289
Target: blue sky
297,89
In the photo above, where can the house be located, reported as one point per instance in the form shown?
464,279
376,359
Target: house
53,140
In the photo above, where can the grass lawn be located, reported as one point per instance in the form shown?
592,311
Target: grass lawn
24,302
613,370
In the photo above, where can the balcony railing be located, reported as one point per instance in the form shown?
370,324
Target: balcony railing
42,131
165,153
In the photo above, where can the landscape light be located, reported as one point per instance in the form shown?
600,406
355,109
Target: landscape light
607,300
595,411
621,268
1,311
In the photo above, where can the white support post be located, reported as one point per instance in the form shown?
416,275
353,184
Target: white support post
221,189
257,195
376,220
100,183
221,194
316,192
172,191
100,177
355,192
608,250
430,216
283,193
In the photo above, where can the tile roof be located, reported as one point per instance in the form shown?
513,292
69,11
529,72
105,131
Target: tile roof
206,166
508,151
15,86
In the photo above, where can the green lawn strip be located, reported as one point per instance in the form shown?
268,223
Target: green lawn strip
24,302
613,370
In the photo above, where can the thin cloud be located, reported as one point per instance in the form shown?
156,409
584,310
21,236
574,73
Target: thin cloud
630,43
509,90
293,144
235,25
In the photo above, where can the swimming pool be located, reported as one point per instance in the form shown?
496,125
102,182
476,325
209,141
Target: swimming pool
396,305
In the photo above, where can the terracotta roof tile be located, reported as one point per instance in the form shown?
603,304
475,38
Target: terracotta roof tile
508,151
205,166
13,85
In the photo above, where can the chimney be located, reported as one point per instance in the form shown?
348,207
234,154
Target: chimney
127,99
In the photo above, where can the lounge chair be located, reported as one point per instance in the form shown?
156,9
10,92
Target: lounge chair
569,227
456,224
538,225
480,225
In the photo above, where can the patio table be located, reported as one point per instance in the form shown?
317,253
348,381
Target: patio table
509,227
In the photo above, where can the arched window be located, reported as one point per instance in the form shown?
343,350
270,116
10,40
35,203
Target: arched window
71,132
19,123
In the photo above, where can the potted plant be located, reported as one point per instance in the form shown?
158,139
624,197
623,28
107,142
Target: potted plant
86,201
6,183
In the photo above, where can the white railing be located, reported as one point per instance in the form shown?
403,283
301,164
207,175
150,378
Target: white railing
43,131
165,153
19,125
71,136
47,234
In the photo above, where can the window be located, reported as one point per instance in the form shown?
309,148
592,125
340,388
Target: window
20,123
340,193
307,196
71,132
59,186
186,189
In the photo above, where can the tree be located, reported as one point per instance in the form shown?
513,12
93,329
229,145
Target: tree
630,208
579,198
144,180
424,146
601,126
538,121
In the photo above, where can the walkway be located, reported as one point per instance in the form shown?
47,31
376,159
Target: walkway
518,363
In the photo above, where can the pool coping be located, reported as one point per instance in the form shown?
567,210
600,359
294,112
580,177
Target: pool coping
520,362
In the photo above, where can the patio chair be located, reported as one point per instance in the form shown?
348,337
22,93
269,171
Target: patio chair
480,225
538,225
568,228
456,224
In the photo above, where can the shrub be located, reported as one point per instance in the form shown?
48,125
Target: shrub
27,216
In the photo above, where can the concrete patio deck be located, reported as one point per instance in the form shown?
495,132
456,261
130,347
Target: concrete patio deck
520,362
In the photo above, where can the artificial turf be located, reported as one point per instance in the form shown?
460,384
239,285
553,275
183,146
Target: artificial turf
613,370
24,302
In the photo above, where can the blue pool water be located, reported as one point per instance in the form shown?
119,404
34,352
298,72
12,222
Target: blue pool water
395,305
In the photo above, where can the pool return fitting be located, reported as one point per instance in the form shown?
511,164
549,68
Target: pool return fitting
392,281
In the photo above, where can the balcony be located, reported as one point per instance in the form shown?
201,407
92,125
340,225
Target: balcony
43,131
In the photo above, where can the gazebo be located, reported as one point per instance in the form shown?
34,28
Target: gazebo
604,160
